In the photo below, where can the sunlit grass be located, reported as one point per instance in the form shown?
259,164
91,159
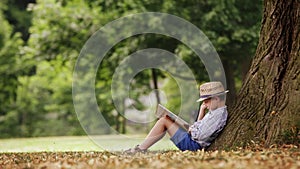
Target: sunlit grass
78,143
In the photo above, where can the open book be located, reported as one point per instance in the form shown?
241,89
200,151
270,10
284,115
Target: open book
162,111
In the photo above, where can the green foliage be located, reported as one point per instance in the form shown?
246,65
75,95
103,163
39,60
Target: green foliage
58,30
36,76
233,28
9,65
17,15
5,30
48,111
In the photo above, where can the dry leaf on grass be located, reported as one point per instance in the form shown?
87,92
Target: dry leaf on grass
287,156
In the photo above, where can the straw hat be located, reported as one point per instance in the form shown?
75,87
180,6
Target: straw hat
211,89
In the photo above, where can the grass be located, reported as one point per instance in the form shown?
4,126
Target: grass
78,143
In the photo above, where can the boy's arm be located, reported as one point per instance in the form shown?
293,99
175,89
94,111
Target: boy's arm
203,107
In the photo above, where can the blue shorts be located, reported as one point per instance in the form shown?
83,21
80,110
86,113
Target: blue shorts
183,141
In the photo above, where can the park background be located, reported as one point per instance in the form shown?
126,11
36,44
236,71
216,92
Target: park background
41,41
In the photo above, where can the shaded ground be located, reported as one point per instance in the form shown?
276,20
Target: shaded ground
287,156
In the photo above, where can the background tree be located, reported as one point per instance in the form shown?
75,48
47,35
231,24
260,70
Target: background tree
10,69
232,26
17,15
36,74
267,109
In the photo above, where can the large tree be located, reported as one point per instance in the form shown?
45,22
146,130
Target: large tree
267,108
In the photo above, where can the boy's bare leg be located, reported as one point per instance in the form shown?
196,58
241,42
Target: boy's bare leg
158,131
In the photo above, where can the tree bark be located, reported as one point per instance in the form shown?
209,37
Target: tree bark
267,109
154,79
230,83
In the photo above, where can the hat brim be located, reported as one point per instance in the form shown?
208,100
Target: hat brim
213,95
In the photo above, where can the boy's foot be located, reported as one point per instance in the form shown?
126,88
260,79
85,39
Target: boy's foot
134,150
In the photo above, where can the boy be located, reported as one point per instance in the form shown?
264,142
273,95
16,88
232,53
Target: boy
202,132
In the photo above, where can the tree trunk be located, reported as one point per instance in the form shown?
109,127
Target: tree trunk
154,79
124,120
267,109
230,83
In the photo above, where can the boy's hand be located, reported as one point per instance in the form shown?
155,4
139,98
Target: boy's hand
203,106
190,128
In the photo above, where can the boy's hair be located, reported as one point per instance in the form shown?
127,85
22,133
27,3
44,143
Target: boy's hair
222,97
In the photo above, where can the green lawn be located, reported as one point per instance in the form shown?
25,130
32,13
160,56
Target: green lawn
78,143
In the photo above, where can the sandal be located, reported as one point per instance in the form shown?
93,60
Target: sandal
135,150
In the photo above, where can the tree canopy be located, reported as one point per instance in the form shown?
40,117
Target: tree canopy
41,40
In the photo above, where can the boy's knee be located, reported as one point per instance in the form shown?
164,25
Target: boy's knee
162,118
165,120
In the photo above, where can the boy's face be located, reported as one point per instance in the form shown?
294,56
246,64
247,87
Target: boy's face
212,103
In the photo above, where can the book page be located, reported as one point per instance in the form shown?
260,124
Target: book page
162,111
